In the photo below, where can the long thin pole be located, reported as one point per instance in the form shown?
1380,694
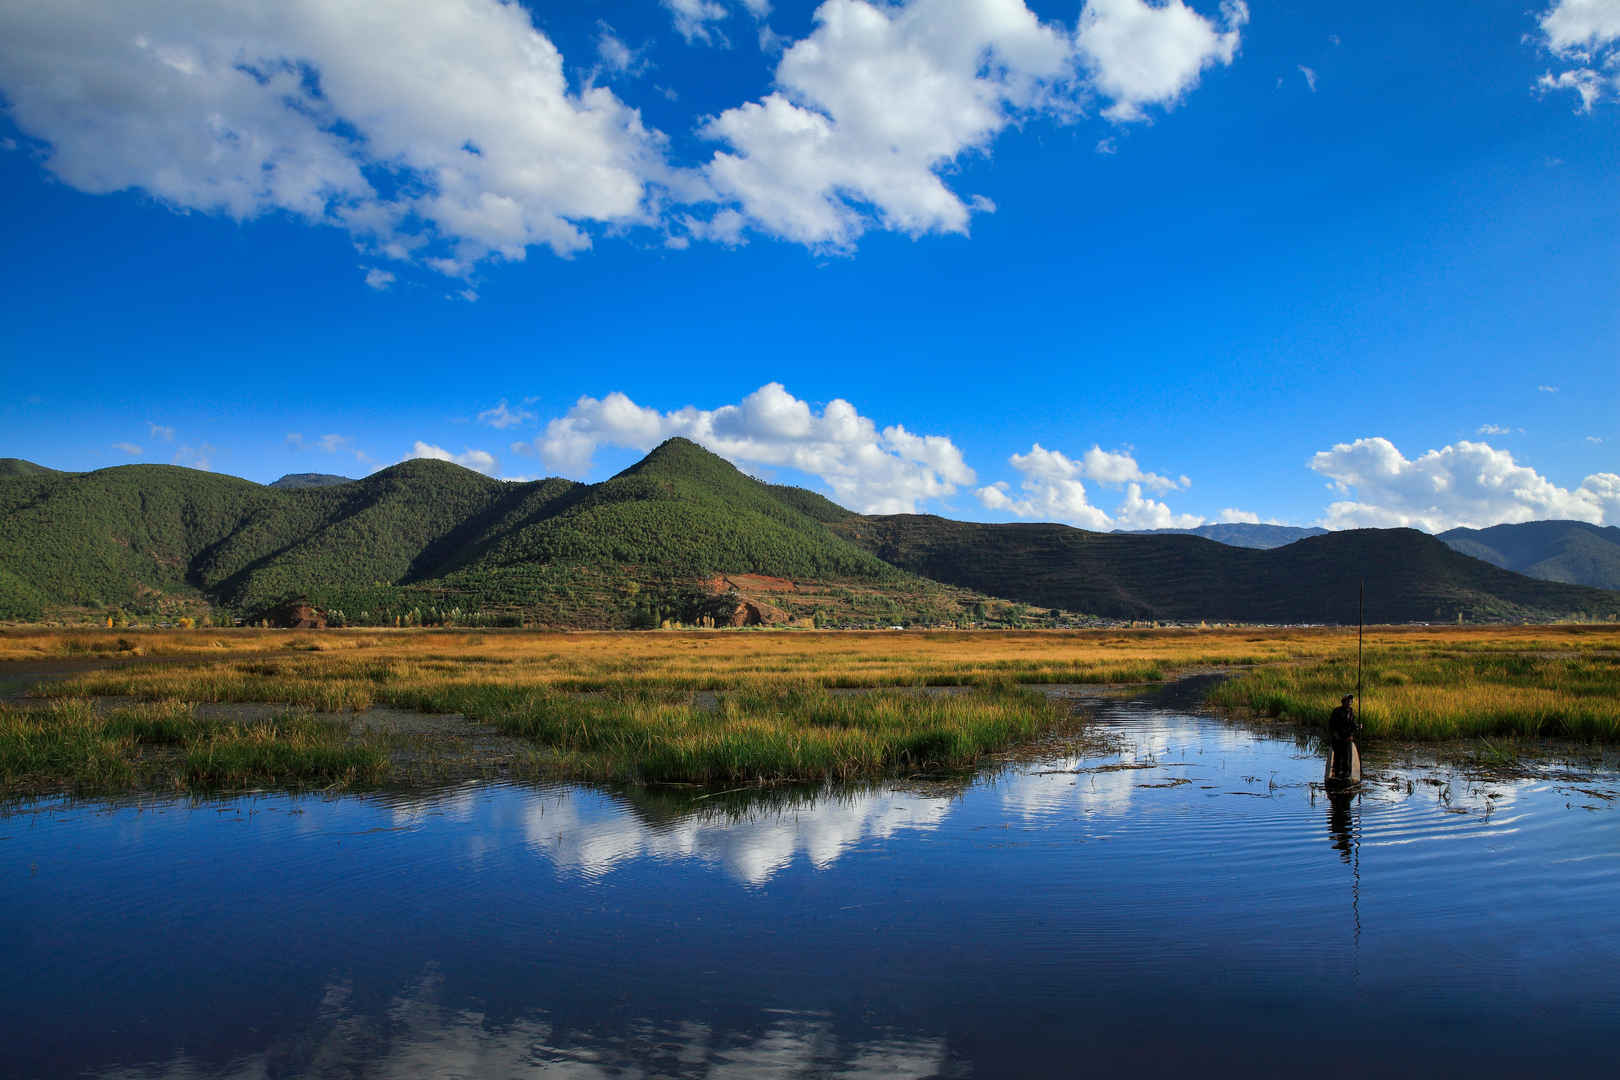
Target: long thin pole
1361,623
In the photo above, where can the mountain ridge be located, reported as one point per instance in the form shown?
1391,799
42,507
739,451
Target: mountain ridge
681,535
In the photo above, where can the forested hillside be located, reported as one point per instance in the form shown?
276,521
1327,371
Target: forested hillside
683,536
1410,576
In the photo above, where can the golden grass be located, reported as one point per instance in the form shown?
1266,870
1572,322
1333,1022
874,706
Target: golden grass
725,706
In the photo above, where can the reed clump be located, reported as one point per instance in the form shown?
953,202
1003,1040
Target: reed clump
70,744
1444,693
767,733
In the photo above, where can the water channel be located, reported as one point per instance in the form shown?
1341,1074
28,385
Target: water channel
1170,895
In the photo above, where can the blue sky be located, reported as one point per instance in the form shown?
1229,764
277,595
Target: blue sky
1120,264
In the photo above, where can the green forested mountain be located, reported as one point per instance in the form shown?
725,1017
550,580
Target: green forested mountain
420,535
681,535
10,466
1410,576
1568,551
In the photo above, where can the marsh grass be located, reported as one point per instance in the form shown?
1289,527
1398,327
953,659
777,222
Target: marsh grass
293,747
720,708
775,733
68,743
1422,694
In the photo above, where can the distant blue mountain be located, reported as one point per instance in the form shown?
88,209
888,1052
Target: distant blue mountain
1237,534
309,480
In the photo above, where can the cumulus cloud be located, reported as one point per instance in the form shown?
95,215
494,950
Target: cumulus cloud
1138,54
378,278
870,106
1582,35
477,460
1053,488
879,100
503,417
128,448
1467,484
874,471
244,108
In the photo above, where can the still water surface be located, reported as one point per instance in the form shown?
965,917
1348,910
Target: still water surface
1200,909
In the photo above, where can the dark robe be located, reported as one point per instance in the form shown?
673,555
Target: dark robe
1342,728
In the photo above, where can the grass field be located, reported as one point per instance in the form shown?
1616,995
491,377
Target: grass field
735,707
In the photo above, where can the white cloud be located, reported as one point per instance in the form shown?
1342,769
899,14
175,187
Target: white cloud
615,56
245,108
872,471
503,417
195,457
1310,77
1493,429
1053,489
1238,517
1107,146
329,444
872,105
1583,35
1581,26
378,278
128,448
1594,439
1545,389
1138,54
477,460
1468,484
695,19
160,431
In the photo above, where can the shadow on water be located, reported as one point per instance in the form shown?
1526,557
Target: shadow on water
1166,873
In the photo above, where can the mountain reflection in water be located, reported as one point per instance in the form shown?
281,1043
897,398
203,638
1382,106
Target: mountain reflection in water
1172,894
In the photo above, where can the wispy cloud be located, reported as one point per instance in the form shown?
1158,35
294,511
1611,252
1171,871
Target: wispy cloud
160,431
1545,389
1310,77
200,456
1493,429
503,417
378,278
128,448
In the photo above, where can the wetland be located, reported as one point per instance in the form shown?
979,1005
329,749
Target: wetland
1146,883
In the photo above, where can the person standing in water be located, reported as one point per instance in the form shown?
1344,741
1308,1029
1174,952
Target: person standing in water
1342,731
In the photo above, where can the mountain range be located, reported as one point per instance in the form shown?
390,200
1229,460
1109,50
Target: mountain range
683,536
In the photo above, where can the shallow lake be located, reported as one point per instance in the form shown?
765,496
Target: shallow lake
1176,898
